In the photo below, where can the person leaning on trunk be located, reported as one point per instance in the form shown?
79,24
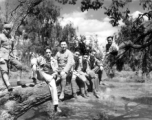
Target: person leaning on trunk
6,56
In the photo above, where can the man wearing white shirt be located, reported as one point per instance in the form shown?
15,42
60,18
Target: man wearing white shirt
111,47
111,50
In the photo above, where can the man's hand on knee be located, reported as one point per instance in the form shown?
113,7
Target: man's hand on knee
47,81
2,61
101,68
55,75
63,73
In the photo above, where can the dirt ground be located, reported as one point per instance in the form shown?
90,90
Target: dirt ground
119,100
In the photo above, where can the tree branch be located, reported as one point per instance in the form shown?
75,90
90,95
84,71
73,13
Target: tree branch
21,100
26,6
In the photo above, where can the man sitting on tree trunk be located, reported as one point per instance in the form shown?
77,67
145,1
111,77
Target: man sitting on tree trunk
77,74
43,70
90,74
65,62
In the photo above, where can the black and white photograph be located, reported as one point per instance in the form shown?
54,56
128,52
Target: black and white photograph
75,59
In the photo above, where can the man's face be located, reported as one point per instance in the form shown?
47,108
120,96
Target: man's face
109,40
77,54
7,31
87,48
92,53
48,53
85,57
63,46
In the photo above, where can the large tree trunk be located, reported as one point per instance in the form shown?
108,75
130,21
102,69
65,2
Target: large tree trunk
16,103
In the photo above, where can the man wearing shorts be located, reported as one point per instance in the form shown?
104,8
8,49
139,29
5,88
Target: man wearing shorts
6,57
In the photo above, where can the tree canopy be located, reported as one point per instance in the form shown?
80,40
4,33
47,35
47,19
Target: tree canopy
39,17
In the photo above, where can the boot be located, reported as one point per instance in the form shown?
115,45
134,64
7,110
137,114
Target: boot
34,80
86,93
83,93
95,94
10,88
75,95
19,83
61,96
57,109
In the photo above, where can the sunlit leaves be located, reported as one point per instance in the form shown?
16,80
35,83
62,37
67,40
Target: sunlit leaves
114,11
85,4
91,4
137,31
146,4
73,2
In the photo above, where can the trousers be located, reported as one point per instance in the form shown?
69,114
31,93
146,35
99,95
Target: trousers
42,76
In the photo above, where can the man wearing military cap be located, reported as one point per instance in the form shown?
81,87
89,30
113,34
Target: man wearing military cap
6,56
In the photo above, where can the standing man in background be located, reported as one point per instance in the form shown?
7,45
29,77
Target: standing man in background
111,50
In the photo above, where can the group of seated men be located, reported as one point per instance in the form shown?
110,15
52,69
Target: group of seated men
83,71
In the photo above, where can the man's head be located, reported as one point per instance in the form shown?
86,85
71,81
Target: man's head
85,57
63,45
110,40
77,53
93,53
7,29
88,49
48,52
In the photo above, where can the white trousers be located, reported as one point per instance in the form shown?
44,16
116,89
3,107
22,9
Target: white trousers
42,76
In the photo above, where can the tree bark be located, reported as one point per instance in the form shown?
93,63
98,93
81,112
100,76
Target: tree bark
16,103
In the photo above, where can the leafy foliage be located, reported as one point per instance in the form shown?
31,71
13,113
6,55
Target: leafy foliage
91,4
44,29
138,32
38,18
40,27
73,2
